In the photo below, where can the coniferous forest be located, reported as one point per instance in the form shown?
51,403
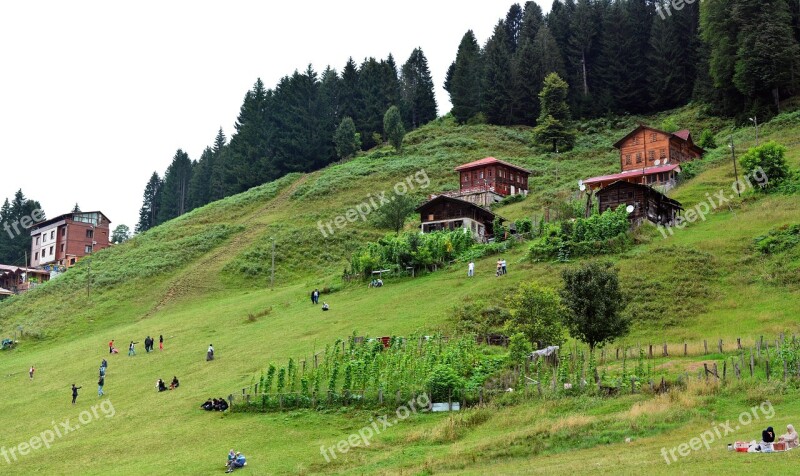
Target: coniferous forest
737,57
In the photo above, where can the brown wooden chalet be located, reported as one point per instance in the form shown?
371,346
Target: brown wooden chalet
650,156
648,204
450,213
489,180
15,279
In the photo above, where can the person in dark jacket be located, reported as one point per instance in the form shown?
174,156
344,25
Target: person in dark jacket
208,406
768,435
174,383
75,393
100,384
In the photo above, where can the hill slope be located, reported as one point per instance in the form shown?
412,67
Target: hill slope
196,279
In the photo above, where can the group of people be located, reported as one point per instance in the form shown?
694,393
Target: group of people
376,283
215,404
149,341
161,386
501,268
235,460
768,440
315,300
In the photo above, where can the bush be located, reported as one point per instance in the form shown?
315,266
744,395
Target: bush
707,140
778,240
768,159
443,382
599,234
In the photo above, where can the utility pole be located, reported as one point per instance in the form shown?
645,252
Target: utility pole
735,169
89,269
754,120
272,277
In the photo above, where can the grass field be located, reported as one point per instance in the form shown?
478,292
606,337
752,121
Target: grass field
196,279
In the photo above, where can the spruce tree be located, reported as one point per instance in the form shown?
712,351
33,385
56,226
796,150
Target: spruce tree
552,128
417,90
465,84
175,191
497,87
513,25
151,202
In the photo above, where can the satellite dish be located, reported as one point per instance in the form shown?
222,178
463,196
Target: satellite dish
629,209
582,187
658,162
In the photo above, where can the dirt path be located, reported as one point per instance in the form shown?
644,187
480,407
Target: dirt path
194,279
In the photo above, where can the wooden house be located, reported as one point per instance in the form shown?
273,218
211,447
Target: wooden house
65,239
450,213
648,203
14,279
489,180
650,156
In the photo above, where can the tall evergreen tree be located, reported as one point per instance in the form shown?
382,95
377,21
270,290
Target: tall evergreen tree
17,217
465,84
350,94
497,87
175,191
513,25
250,160
417,88
151,202
719,32
200,183
552,128
298,145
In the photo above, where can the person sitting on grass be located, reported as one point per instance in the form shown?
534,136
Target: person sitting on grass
325,306
174,384
208,406
160,385
222,405
238,461
790,437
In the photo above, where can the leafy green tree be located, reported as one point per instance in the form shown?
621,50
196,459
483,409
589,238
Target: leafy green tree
553,119
151,203
392,215
537,313
595,303
519,349
120,234
393,128
766,160
707,140
417,90
347,140
465,83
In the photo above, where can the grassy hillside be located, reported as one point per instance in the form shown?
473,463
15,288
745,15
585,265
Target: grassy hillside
195,280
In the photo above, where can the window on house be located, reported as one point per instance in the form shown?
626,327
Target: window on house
52,234
36,256
638,157
63,232
481,174
651,155
51,251
89,233
635,140
662,153
653,137
37,240
87,249
72,261
627,159
62,247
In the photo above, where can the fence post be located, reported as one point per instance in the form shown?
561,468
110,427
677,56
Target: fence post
257,388
602,356
450,400
724,369
380,396
705,345
720,346
633,384
705,370
738,343
651,351
313,399
480,396
666,352
752,363
685,349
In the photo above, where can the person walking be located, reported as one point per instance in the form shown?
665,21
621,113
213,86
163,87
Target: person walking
75,393
132,349
100,384
499,268
31,371
210,353
471,269
503,265
160,342
102,371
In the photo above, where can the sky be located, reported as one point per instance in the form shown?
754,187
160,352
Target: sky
97,95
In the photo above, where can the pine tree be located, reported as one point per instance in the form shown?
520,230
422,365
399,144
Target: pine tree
719,33
465,85
525,79
417,90
497,87
249,163
16,218
513,25
76,208
555,115
768,55
393,128
175,191
200,183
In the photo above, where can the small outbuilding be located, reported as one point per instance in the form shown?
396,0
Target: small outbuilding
647,202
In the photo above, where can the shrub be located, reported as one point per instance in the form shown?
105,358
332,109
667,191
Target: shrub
443,381
768,159
707,140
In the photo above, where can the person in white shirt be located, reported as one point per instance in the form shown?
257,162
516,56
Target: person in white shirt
471,269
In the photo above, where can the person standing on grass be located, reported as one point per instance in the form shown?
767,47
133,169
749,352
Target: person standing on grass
31,371
104,364
132,349
160,342
210,353
75,393
471,269
503,265
100,384
499,268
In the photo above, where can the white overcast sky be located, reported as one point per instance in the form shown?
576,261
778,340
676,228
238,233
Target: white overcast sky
96,95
